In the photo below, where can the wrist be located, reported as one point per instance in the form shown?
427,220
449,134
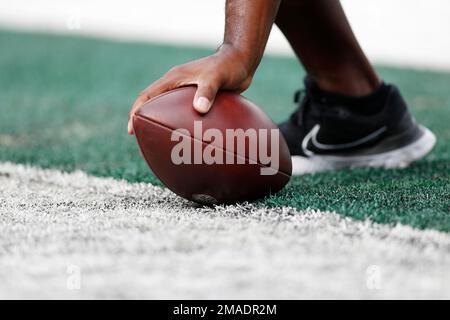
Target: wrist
240,57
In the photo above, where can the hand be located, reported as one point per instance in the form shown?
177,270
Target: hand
226,69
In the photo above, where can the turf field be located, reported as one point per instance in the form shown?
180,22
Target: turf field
63,107
64,104
124,240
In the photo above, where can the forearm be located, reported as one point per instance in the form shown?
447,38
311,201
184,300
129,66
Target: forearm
247,28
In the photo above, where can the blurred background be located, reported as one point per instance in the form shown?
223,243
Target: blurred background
412,33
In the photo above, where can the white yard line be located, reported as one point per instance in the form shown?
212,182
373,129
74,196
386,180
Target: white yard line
139,241
401,32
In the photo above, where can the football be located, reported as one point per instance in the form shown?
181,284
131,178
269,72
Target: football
231,154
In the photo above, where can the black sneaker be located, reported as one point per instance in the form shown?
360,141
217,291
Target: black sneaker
332,132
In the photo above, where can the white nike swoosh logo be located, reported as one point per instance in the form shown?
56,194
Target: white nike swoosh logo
312,136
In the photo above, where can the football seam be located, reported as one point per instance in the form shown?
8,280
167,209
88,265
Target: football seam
168,92
203,142
190,86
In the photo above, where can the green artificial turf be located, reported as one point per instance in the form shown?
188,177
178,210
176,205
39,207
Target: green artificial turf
64,104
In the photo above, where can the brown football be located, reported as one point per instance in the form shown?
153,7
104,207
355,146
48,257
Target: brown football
233,153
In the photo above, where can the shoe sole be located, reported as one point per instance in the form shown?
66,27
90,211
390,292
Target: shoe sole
399,158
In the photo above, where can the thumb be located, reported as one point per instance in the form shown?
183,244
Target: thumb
204,97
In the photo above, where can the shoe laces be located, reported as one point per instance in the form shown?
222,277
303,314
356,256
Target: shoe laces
302,97
299,94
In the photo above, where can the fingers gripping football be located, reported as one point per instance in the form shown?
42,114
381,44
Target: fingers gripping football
223,70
